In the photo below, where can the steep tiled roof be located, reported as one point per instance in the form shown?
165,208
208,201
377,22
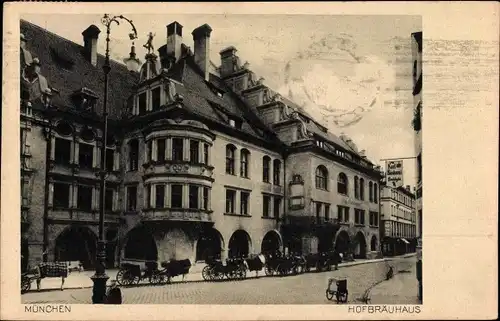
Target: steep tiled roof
200,98
67,70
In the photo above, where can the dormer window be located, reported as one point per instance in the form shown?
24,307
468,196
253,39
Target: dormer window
234,123
85,99
156,96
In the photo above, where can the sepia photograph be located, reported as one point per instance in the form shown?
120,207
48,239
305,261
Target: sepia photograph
171,159
249,161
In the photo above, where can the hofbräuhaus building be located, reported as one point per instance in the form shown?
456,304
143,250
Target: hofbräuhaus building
201,159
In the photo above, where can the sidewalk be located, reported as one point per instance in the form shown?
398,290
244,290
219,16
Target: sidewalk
81,280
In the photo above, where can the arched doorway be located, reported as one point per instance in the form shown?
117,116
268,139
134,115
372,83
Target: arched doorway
140,245
360,249
271,242
76,243
24,255
209,244
111,239
373,243
342,242
239,244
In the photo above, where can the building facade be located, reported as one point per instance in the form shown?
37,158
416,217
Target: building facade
201,160
398,220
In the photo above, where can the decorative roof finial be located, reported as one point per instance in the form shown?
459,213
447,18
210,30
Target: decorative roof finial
149,43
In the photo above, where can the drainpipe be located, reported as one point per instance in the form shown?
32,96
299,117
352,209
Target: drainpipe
48,136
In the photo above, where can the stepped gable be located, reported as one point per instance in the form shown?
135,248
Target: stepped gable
200,98
64,65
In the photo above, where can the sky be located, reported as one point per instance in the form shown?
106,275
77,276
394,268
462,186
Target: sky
351,73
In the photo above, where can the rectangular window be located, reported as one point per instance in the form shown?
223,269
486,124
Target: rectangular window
327,212
85,156
205,154
61,195
244,197
176,196
62,151
110,159
160,196
160,150
318,210
149,150
193,196
265,205
265,170
194,151
230,197
205,198
277,206
142,103
156,93
131,198
84,201
343,213
177,149
148,196
108,206
276,172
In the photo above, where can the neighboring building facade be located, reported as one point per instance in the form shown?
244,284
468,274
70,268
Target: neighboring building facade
398,220
201,160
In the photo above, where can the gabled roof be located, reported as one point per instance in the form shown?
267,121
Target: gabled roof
67,70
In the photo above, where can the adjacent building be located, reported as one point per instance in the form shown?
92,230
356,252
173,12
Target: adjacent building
398,220
201,159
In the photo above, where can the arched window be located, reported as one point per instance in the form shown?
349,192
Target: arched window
342,184
64,129
276,172
266,168
244,160
133,154
321,177
370,191
356,187
230,150
361,189
375,193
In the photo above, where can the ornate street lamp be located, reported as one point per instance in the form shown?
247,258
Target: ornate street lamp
100,278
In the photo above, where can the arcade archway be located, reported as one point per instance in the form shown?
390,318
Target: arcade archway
239,244
76,243
209,244
140,245
360,249
271,242
342,242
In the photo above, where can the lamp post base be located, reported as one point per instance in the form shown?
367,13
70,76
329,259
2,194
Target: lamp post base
99,289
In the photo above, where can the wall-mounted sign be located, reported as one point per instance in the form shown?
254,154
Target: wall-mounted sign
348,201
394,173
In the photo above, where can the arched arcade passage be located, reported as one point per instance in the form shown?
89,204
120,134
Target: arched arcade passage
140,245
239,244
360,249
76,243
209,245
342,242
271,242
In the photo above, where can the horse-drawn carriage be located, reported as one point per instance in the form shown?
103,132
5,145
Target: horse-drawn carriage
284,264
340,293
44,270
133,272
216,270
322,261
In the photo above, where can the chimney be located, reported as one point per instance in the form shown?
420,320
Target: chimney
201,37
90,37
228,61
174,40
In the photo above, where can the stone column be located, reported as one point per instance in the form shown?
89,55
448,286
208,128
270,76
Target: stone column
154,149
70,195
76,159
53,148
185,195
116,160
185,150
51,193
152,202
94,157
168,148
72,156
75,196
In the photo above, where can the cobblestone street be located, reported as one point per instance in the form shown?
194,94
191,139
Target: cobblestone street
307,288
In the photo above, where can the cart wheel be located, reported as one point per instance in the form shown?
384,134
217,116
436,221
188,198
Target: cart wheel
156,279
243,273
269,271
205,273
25,284
121,277
329,294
